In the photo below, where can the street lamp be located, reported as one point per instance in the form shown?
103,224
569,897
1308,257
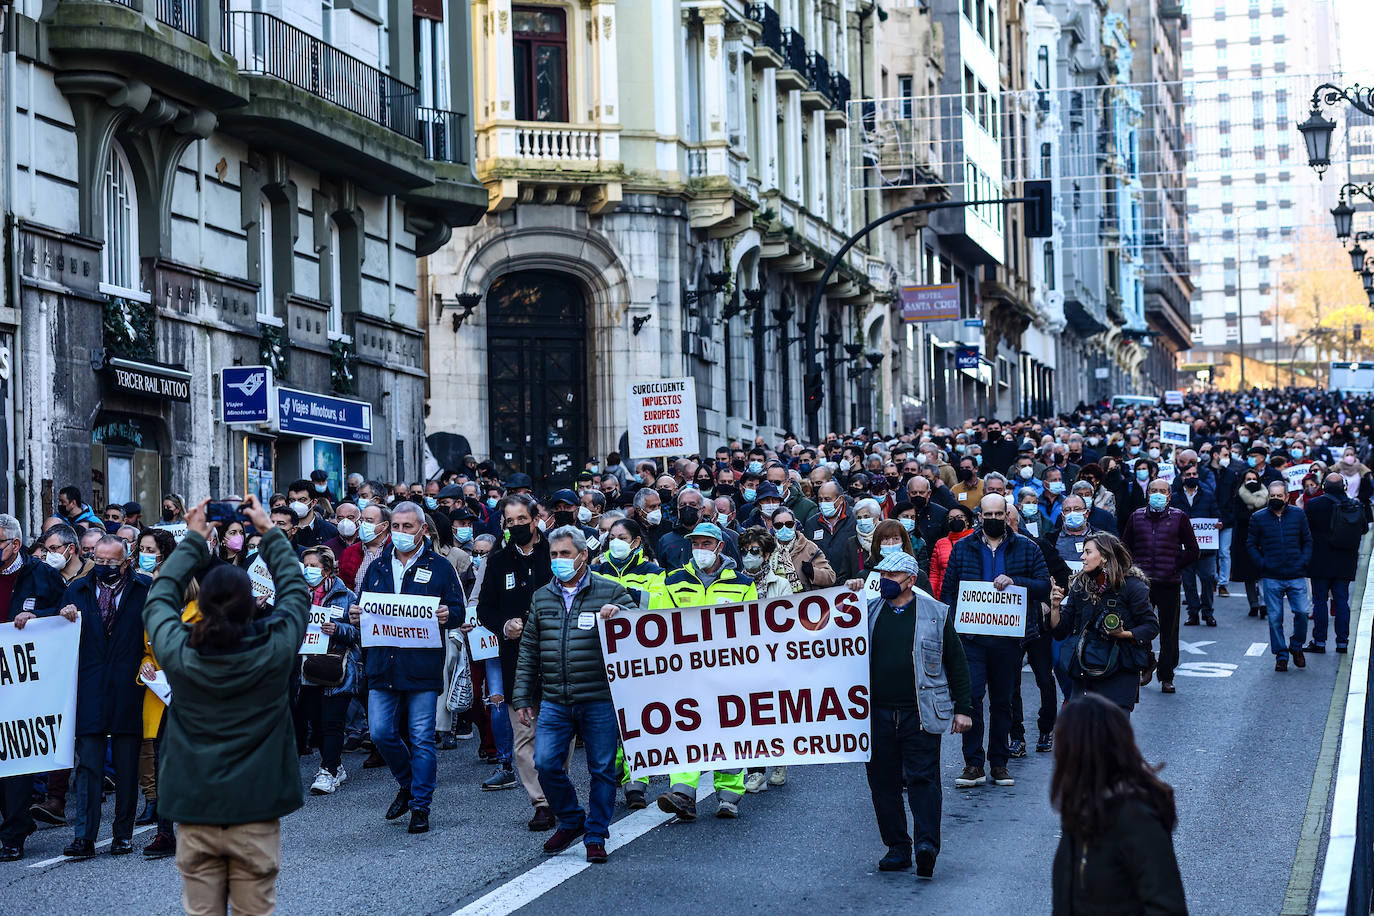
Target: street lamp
1344,215
1357,257
1367,276
1317,129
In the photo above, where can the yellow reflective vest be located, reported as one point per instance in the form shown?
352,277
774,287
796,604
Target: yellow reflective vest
683,588
643,579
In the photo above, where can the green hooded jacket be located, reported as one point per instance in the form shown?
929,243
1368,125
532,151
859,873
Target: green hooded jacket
228,755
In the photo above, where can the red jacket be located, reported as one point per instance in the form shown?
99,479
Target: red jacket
939,558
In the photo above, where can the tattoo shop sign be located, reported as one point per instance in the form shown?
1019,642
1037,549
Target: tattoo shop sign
400,621
777,681
38,695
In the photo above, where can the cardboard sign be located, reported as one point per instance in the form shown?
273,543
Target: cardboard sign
662,417
483,643
871,588
177,529
38,695
400,621
315,642
1294,474
1173,398
982,610
788,685
1208,533
1174,433
1167,471
263,586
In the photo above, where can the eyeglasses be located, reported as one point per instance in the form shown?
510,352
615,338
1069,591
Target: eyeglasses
788,526
109,564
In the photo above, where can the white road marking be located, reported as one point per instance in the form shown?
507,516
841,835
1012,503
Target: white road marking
1206,669
105,842
1256,649
544,877
1195,648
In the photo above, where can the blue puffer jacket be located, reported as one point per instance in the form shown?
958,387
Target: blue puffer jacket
346,636
1280,545
389,668
1025,564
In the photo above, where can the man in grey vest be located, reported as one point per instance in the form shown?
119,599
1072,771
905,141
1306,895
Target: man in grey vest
913,705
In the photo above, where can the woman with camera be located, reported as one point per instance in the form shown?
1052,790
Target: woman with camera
1107,613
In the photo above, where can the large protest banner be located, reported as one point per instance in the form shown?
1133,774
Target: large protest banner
402,621
777,681
38,695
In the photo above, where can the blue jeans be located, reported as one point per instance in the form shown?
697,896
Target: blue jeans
1224,556
502,732
1274,591
1338,590
557,725
415,768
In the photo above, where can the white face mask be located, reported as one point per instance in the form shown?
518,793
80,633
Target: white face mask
584,514
55,559
347,527
703,559
752,562
653,517
301,509
619,549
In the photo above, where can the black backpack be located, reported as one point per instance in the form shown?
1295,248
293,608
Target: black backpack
1347,523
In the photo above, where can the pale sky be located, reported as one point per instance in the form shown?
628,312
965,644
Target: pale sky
1352,21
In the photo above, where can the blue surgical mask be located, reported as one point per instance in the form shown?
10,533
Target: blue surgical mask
492,502
908,523
828,508
404,543
1158,501
363,503
463,534
564,568
367,531
1142,474
1030,510
1252,461
431,502
888,550
477,560
1056,487
313,575
785,535
1073,519
1295,452
756,467
750,493
866,525
147,562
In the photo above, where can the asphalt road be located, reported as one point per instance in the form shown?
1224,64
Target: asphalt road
1239,742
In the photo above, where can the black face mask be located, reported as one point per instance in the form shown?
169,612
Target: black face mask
687,517
1277,504
168,514
894,482
995,527
919,502
521,536
957,524
1252,485
109,575
1190,483
564,517
665,496
965,475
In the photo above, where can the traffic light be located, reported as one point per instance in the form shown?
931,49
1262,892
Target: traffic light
815,392
1039,209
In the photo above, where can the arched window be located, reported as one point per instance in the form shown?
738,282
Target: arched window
266,307
335,280
120,256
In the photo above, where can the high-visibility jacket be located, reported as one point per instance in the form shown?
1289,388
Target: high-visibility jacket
683,587
643,579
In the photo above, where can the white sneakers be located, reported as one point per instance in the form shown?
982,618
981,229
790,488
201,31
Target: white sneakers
325,782
778,777
755,783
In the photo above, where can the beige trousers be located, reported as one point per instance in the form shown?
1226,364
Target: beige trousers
235,865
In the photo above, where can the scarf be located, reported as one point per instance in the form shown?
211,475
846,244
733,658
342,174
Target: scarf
781,563
107,599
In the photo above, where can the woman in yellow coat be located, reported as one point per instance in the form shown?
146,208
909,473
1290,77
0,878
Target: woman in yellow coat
163,843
